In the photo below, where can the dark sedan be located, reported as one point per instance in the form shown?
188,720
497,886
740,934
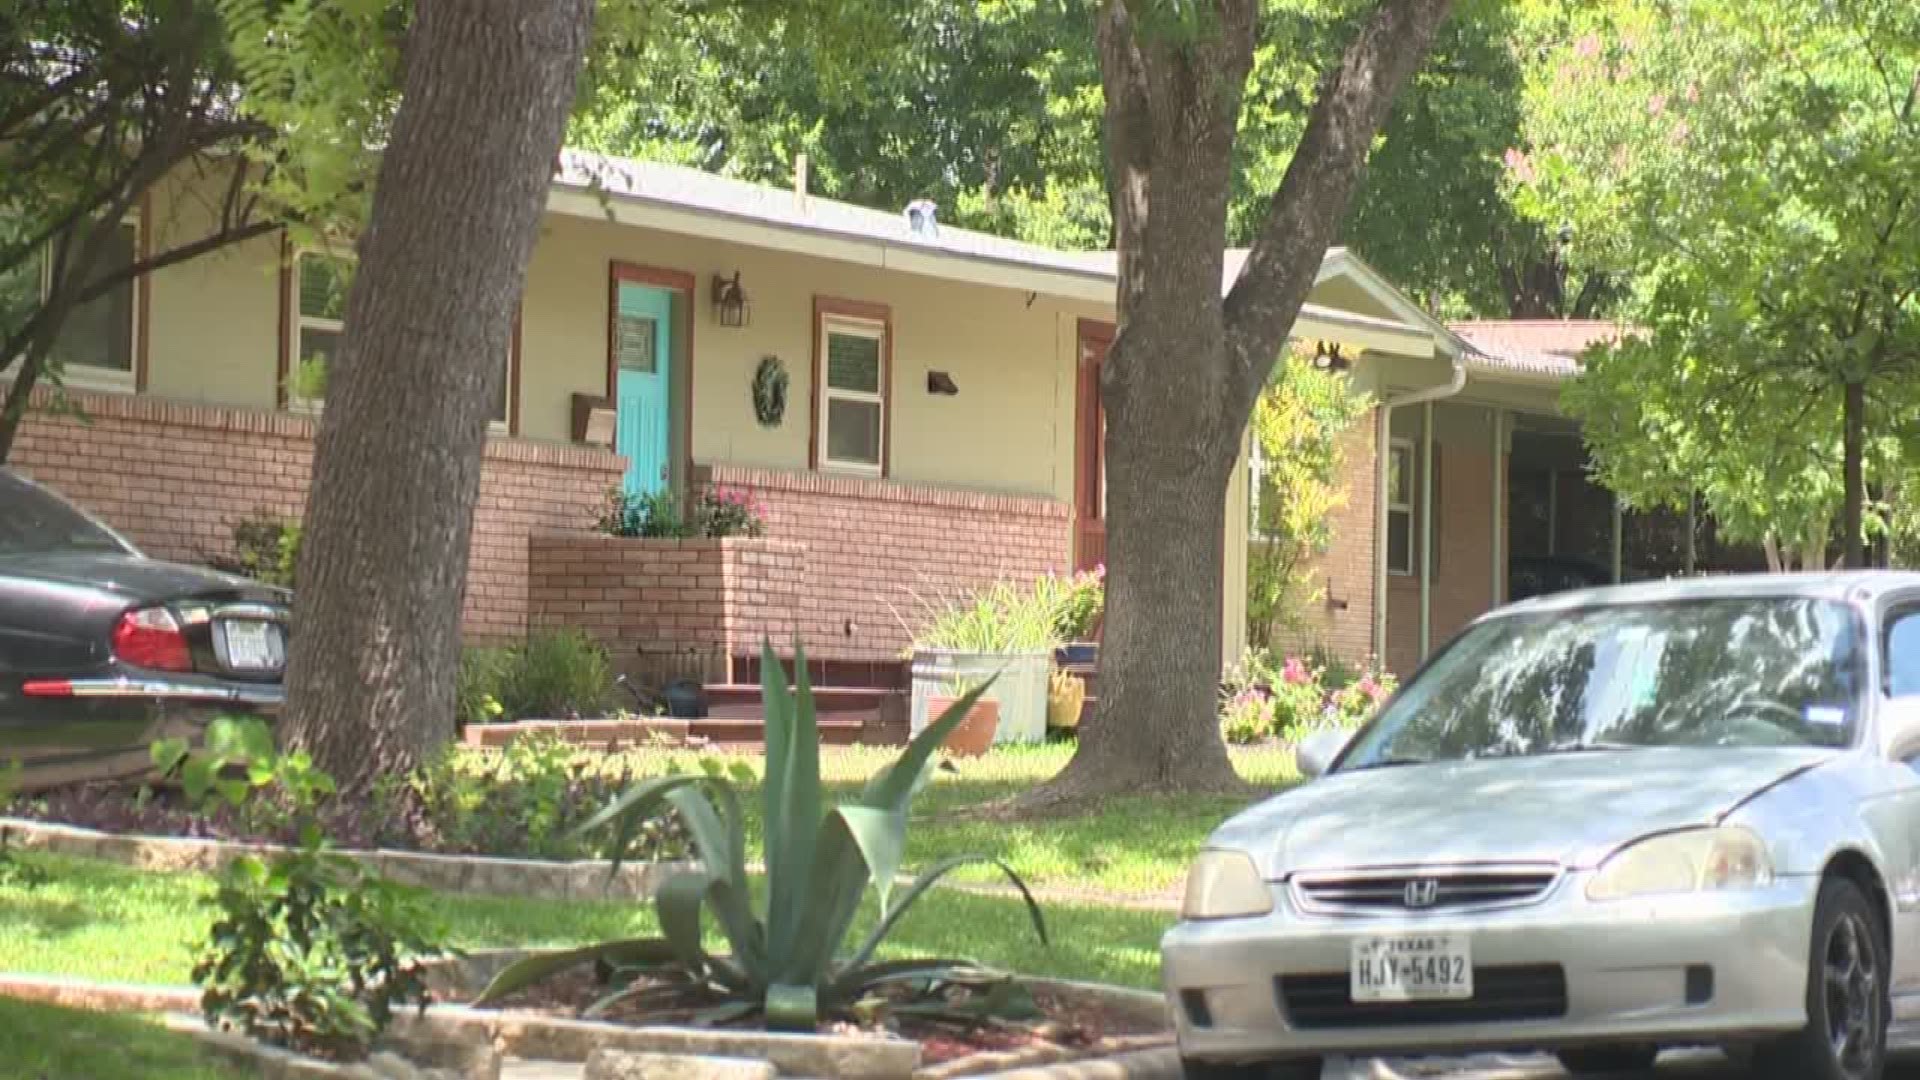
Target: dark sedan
103,650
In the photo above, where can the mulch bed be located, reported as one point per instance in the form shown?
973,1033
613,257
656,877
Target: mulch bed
1073,1024
124,808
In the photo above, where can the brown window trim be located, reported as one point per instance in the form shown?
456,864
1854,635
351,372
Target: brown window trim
823,307
660,277
283,363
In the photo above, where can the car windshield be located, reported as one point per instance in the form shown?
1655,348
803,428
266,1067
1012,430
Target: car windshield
33,520
1740,672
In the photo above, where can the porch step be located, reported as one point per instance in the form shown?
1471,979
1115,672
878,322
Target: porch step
852,699
738,725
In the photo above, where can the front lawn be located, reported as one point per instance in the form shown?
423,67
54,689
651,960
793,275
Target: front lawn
42,1042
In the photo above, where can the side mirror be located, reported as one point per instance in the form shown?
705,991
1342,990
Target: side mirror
1900,727
1316,752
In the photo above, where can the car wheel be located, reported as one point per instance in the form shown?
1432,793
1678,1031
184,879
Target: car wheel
1291,1069
1604,1060
1846,1033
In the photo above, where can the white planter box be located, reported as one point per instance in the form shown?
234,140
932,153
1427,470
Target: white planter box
1020,687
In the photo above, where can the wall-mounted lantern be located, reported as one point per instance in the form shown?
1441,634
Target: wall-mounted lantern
939,382
730,305
1327,357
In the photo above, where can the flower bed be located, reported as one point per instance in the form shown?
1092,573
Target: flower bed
1261,700
520,803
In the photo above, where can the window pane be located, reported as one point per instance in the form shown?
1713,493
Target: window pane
1400,476
1903,657
853,431
853,363
100,334
315,345
1400,542
323,287
634,343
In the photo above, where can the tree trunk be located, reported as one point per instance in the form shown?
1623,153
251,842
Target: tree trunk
1186,367
487,88
1852,525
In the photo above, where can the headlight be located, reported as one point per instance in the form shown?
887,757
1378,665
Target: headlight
1225,885
1701,860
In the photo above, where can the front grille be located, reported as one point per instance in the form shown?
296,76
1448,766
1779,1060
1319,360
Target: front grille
1385,892
1520,992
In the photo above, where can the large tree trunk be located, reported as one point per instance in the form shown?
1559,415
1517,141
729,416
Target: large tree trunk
1185,369
383,566
1852,525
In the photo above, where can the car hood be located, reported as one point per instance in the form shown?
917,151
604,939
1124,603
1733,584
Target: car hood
1571,809
136,577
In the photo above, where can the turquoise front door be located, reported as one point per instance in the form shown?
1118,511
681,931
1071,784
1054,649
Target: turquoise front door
642,329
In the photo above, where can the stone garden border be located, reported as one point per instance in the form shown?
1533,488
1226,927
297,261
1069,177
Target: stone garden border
482,875
527,1035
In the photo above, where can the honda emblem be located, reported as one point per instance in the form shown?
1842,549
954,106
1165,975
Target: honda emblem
1422,893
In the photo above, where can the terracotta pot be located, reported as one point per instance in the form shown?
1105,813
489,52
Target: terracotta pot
974,736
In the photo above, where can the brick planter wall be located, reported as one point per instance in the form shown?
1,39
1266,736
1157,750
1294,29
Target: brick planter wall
647,600
876,549
175,478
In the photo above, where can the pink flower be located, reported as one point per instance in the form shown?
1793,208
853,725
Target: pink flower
1587,47
1656,104
1295,672
1519,165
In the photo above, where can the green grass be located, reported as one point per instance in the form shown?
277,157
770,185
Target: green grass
1134,848
99,921
42,1042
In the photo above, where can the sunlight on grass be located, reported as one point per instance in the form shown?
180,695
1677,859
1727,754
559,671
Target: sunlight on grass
99,921
42,1041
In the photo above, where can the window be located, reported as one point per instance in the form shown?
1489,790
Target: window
852,374
320,292
1401,483
1903,656
95,345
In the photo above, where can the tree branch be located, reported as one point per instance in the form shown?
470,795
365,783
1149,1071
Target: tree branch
1305,213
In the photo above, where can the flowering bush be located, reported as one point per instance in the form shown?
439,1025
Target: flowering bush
1288,702
1246,717
1077,601
711,513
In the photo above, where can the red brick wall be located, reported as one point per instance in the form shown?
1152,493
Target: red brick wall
175,478
648,601
876,550
1462,558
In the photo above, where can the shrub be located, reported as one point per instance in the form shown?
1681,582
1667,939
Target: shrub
265,548
310,951
483,673
1259,700
710,513
1077,601
557,674
785,961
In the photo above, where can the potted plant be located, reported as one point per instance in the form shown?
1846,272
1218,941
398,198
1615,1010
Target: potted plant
1078,602
1066,693
974,735
1003,631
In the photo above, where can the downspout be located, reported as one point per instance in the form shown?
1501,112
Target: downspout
1383,455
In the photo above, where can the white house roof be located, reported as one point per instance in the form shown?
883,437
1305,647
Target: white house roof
681,199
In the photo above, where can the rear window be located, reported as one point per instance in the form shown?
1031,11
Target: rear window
35,521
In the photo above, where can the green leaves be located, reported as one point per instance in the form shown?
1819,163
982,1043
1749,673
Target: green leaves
820,864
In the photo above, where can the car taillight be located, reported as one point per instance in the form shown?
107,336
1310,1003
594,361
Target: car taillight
151,638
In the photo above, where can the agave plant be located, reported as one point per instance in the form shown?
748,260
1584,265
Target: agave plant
788,961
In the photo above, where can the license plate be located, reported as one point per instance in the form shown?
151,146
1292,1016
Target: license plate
250,645
1412,967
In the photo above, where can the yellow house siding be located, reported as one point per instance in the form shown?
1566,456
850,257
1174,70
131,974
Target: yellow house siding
213,321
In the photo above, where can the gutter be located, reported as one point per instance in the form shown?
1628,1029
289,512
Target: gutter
1383,457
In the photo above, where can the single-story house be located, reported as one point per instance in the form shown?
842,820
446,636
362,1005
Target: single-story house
941,423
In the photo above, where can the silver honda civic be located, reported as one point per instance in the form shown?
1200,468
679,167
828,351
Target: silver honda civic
1599,824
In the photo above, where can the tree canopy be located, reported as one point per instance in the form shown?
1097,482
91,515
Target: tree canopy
1755,169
